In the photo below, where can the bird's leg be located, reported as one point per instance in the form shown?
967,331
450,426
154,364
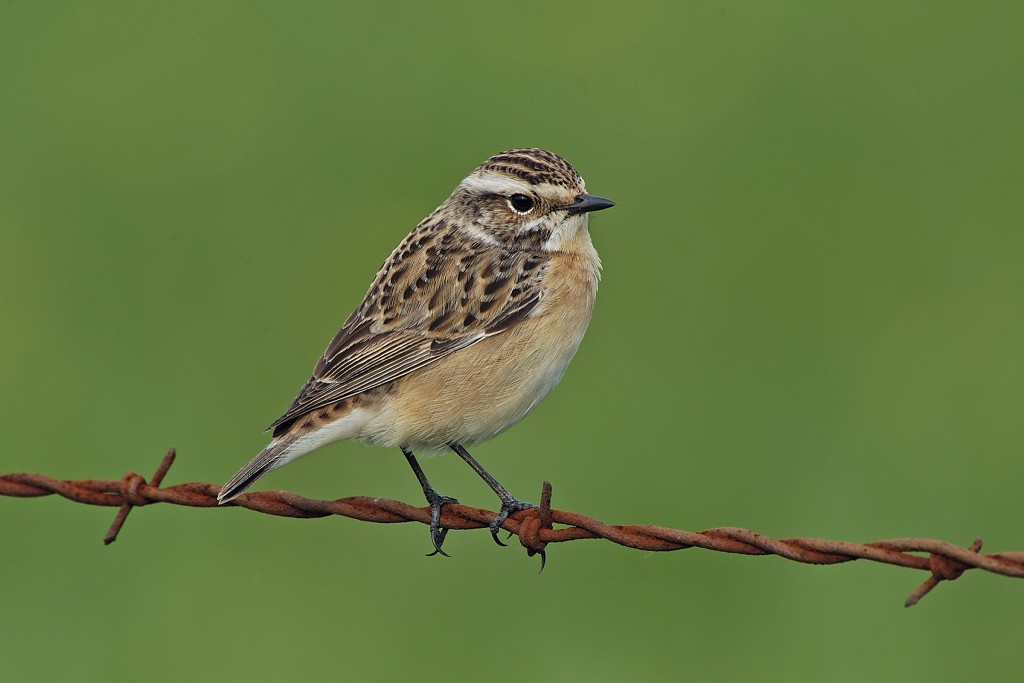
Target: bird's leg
509,503
435,500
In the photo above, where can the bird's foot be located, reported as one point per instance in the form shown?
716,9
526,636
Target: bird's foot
508,506
437,534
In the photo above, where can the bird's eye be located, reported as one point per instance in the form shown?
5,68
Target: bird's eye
520,203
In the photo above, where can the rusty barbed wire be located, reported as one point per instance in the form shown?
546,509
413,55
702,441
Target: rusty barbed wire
944,561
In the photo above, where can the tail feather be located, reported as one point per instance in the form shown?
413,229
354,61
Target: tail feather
270,458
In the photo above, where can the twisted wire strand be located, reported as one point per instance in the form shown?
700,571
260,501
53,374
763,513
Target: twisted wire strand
945,561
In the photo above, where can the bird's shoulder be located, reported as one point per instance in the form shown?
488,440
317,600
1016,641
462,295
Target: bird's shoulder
448,280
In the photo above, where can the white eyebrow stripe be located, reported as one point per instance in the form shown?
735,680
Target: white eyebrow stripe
493,183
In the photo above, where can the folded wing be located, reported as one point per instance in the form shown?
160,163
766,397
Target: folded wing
430,299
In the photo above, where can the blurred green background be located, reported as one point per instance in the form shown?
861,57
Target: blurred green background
810,323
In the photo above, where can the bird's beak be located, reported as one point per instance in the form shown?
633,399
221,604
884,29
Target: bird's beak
586,203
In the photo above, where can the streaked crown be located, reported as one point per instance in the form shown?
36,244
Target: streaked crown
535,166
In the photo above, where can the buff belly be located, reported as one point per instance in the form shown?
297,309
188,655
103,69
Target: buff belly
477,393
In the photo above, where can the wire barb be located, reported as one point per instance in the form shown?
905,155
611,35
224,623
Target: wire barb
533,521
943,569
131,497
535,527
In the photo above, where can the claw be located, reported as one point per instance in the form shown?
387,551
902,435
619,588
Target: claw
507,507
437,534
437,538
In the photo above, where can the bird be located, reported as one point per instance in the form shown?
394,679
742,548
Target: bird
466,328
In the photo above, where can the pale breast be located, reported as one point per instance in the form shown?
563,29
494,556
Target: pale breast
478,392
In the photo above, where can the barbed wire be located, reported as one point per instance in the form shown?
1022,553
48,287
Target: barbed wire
944,561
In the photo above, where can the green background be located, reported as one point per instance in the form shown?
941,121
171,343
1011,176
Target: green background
811,322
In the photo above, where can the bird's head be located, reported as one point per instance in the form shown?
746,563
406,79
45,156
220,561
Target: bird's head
530,198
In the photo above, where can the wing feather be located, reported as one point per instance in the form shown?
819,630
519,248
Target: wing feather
431,299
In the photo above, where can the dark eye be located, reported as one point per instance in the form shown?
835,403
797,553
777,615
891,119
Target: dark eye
521,203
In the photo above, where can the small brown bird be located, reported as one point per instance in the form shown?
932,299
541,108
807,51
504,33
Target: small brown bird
468,325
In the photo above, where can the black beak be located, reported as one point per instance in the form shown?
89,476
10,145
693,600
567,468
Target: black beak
588,202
